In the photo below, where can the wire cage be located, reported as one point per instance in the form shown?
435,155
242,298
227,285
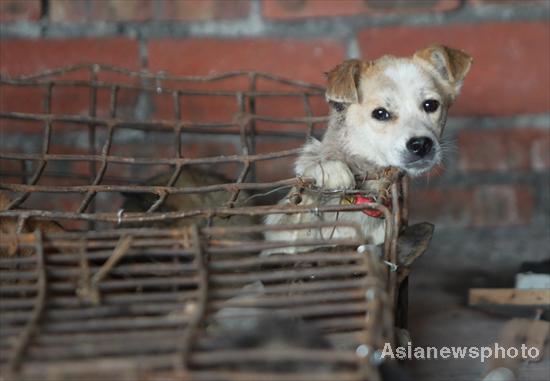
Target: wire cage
131,219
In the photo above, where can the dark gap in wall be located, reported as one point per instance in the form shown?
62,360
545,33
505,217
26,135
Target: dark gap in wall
462,4
44,9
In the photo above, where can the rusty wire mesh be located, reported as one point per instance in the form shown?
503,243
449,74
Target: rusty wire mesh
156,312
242,122
141,301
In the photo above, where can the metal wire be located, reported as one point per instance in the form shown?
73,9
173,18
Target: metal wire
139,304
31,326
132,302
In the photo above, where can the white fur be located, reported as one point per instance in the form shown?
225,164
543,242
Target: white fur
373,229
404,85
329,174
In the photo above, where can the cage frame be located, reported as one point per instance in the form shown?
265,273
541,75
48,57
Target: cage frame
396,217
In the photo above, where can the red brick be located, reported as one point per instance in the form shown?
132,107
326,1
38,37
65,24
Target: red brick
53,202
19,10
28,99
444,207
304,60
507,3
146,10
511,70
10,172
290,106
540,154
502,205
197,108
284,108
483,206
195,10
25,56
503,150
297,9
105,10
280,168
411,6
122,174
218,109
64,101
69,11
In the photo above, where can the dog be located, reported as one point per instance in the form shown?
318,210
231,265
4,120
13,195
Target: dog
387,113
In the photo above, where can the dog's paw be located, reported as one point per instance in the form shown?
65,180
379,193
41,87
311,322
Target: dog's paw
331,174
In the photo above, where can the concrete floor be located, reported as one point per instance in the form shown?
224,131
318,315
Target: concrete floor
438,314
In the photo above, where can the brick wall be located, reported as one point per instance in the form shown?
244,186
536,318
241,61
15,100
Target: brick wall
496,177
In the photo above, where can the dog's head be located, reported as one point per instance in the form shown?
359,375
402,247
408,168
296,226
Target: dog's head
393,110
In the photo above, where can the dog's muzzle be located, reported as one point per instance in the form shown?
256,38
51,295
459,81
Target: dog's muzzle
420,146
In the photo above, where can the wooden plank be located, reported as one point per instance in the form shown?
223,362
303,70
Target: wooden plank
509,296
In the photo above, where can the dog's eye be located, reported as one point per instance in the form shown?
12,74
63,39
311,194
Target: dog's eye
430,105
381,114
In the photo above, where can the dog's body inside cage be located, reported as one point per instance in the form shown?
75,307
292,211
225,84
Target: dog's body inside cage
123,164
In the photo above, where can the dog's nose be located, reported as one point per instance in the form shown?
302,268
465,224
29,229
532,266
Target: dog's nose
420,146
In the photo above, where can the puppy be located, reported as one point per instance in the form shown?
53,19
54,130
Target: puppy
384,113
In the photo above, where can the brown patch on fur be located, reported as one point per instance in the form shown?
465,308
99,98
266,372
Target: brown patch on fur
343,81
451,64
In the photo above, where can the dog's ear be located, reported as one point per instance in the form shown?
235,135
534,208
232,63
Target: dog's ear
450,64
343,82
